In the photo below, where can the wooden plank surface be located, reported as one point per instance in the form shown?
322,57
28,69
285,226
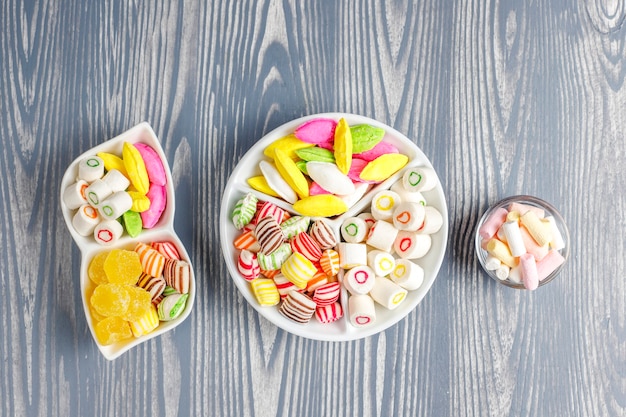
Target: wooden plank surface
504,97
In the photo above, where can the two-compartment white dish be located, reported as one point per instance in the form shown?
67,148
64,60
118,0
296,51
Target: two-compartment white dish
340,330
162,231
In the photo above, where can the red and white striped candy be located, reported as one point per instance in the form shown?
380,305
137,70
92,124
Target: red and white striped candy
284,285
248,265
307,246
327,294
167,249
329,313
271,209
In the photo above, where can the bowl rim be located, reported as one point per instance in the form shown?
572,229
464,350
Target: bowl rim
349,332
481,254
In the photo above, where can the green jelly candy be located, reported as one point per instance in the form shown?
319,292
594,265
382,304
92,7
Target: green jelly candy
365,137
315,154
132,223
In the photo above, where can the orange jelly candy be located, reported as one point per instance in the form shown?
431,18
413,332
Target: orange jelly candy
139,305
112,329
110,299
96,268
122,267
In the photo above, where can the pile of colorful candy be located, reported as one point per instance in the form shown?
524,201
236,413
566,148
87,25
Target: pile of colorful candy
136,289
523,243
298,261
379,247
113,194
288,258
326,166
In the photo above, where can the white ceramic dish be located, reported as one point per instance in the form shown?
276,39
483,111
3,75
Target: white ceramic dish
162,231
340,330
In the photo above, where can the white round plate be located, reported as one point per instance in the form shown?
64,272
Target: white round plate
162,231
341,330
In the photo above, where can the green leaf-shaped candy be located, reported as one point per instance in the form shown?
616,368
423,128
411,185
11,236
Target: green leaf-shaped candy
365,137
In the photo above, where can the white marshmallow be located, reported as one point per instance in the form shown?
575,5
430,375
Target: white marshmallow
432,221
514,238
108,232
359,280
97,192
74,195
412,245
351,254
116,180
383,204
91,168
419,179
354,230
85,220
408,216
382,235
407,196
116,205
362,310
387,293
381,262
407,274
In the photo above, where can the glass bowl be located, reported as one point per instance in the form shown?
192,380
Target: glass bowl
561,246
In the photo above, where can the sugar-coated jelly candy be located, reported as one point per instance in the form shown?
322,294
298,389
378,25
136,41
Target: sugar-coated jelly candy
139,303
96,268
123,267
112,330
110,299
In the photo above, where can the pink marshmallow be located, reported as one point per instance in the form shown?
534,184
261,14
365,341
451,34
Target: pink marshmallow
157,195
549,263
528,267
523,208
492,224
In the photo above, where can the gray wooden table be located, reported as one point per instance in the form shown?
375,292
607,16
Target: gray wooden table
504,97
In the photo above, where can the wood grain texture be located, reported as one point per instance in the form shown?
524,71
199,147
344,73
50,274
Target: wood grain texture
504,97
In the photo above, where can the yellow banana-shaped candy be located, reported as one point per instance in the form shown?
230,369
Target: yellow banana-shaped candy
136,168
113,162
141,203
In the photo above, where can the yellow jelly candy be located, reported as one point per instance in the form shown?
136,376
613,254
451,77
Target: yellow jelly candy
112,330
141,203
259,183
136,168
96,268
146,323
384,167
110,299
322,205
139,305
290,173
123,266
113,162
95,316
289,144
343,146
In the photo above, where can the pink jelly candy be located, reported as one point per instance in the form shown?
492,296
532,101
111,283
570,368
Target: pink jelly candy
317,131
158,199
381,148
